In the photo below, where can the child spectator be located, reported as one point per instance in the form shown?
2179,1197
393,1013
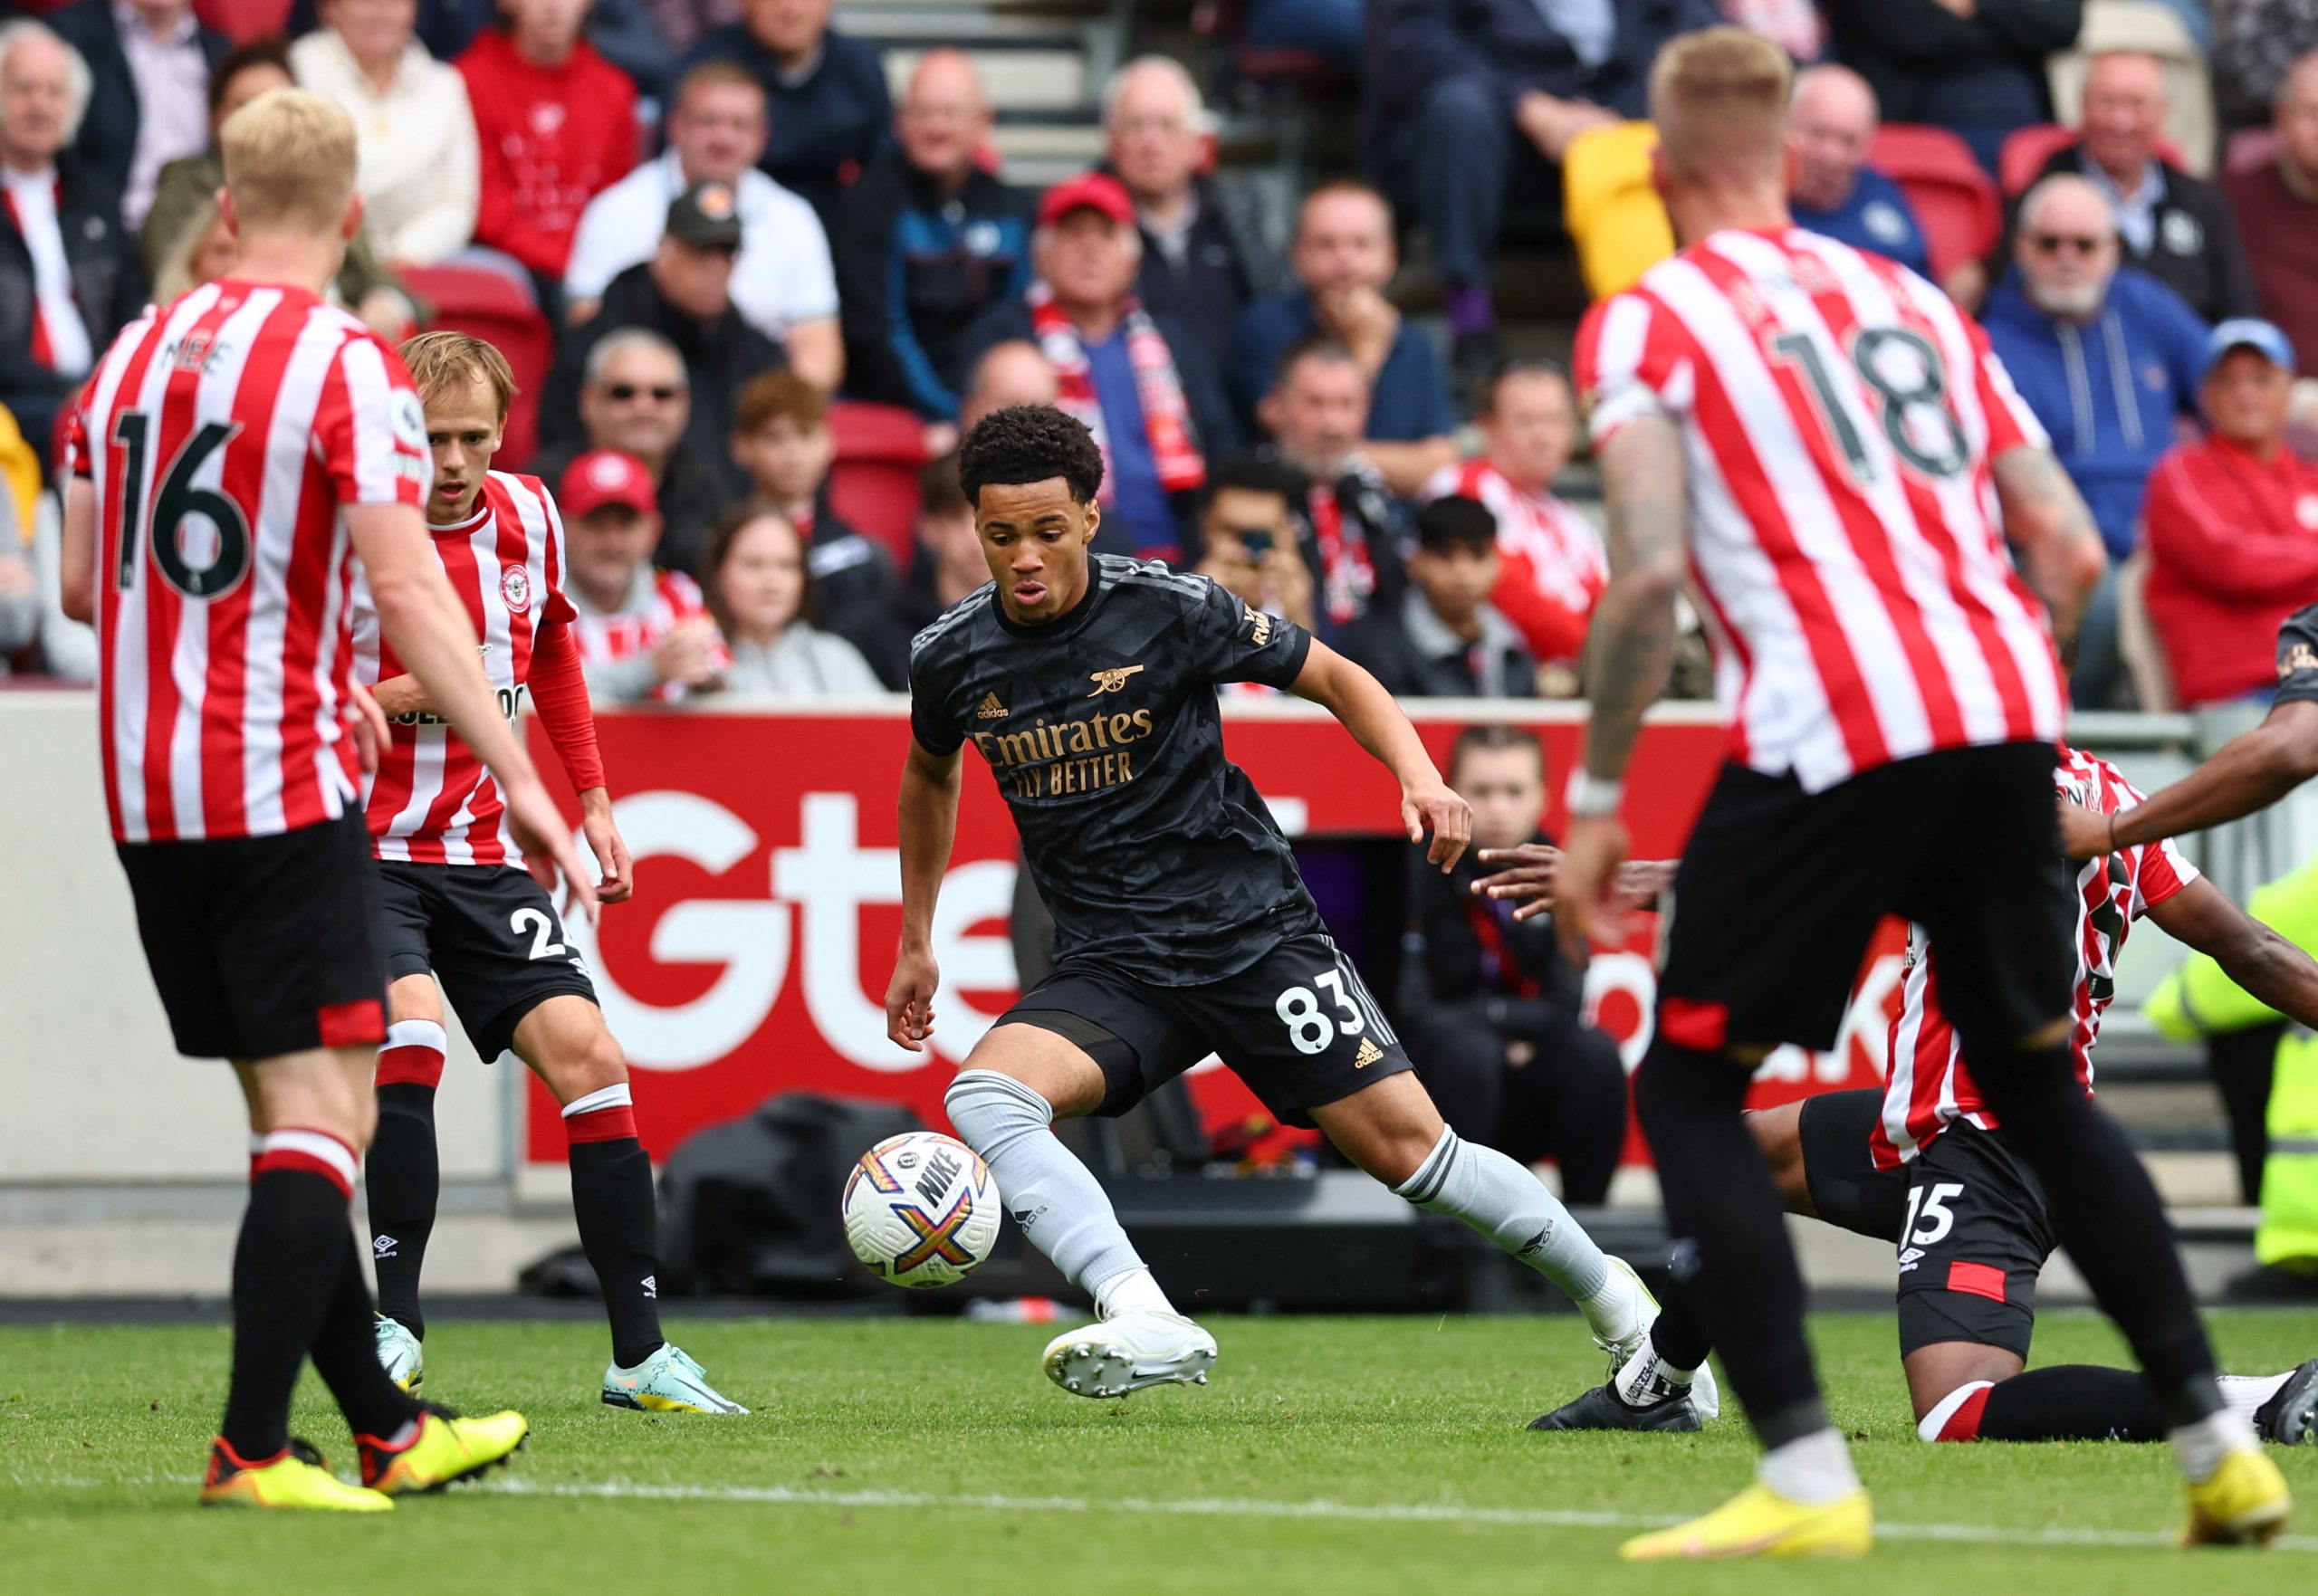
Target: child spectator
782,443
642,634
1444,639
763,598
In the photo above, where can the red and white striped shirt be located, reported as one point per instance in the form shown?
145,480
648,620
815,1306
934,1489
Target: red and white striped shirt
1929,1088
222,434
1838,418
1550,555
673,600
431,801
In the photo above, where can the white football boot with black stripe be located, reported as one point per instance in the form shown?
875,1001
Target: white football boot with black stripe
1114,1357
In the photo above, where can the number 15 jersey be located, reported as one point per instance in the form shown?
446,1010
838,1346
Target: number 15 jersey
1839,418
223,433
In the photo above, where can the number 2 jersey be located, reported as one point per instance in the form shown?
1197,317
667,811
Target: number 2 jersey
431,801
1153,852
222,434
1838,419
1929,1087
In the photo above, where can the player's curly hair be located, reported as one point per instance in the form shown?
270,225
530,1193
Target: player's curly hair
1030,443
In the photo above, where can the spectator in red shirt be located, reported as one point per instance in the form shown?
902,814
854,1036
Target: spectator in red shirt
557,126
2232,524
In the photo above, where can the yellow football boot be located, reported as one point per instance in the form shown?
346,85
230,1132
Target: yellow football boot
1760,1523
297,1477
445,1448
2245,1503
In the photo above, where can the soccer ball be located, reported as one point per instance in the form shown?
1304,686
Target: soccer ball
921,1209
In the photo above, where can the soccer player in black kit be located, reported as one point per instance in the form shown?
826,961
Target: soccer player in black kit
1181,928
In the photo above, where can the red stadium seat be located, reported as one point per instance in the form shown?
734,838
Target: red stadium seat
873,482
1954,199
244,20
2024,153
494,308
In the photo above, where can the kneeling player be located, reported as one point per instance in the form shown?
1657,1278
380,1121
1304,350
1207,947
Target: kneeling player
1923,1165
461,905
1181,927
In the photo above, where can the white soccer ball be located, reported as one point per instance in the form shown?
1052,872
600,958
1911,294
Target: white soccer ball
921,1209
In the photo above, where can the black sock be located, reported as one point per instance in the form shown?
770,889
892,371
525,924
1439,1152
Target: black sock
1680,1335
2072,1402
619,1222
402,1178
346,1356
1719,1194
294,1234
2105,1211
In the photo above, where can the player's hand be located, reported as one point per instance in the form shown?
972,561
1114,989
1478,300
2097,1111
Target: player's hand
546,842
616,874
1527,878
1430,806
2083,834
367,721
1587,885
909,999
401,695
686,655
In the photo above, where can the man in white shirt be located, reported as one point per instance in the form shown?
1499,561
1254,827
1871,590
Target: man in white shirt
782,284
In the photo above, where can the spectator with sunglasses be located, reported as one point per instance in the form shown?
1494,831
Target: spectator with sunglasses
2110,359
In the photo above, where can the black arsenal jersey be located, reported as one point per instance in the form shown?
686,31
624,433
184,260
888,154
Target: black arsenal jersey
1151,850
2298,658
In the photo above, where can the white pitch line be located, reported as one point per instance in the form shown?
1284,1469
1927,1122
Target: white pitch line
1383,1512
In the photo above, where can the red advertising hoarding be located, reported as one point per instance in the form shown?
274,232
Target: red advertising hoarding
754,956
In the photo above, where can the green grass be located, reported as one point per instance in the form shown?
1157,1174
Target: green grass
101,1431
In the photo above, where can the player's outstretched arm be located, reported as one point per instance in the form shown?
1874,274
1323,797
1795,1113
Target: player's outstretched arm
2250,953
2252,771
1359,701
422,617
2047,521
929,825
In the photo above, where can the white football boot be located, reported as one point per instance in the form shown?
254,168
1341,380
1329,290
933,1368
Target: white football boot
1706,1399
1113,1357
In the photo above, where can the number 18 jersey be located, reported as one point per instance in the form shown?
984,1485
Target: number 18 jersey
222,434
1839,418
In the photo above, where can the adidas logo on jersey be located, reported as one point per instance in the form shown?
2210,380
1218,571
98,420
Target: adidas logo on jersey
991,708
1367,1054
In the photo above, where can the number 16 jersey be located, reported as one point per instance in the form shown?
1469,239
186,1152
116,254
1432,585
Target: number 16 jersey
1839,419
222,434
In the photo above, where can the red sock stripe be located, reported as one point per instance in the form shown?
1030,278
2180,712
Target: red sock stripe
281,1154
1963,1424
602,1124
410,1066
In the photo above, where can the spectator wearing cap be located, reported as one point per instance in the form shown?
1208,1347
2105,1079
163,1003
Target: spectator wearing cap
1249,535
2108,358
1205,258
413,130
1974,67
1140,381
1472,103
945,567
1343,259
2175,227
683,293
1352,532
1551,566
926,242
635,399
831,112
1832,188
644,635
150,62
557,126
782,281
69,279
1444,639
2232,525
2275,201
782,443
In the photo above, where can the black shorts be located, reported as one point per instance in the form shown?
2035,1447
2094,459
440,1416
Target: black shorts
264,945
1780,891
1297,1026
489,933
1975,1236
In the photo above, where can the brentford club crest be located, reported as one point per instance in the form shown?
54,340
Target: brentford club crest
515,588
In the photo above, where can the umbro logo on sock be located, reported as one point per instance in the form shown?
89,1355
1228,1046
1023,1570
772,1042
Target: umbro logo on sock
991,708
1367,1054
383,1246
652,1287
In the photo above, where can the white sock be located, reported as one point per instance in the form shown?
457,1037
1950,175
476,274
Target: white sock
1812,1469
1055,1201
2245,1394
1509,1204
1646,1379
1133,1292
2200,1447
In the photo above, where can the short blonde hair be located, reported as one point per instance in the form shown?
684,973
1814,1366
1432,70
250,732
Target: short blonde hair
1719,99
442,361
290,160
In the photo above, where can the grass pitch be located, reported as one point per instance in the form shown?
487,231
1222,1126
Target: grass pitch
1335,1455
